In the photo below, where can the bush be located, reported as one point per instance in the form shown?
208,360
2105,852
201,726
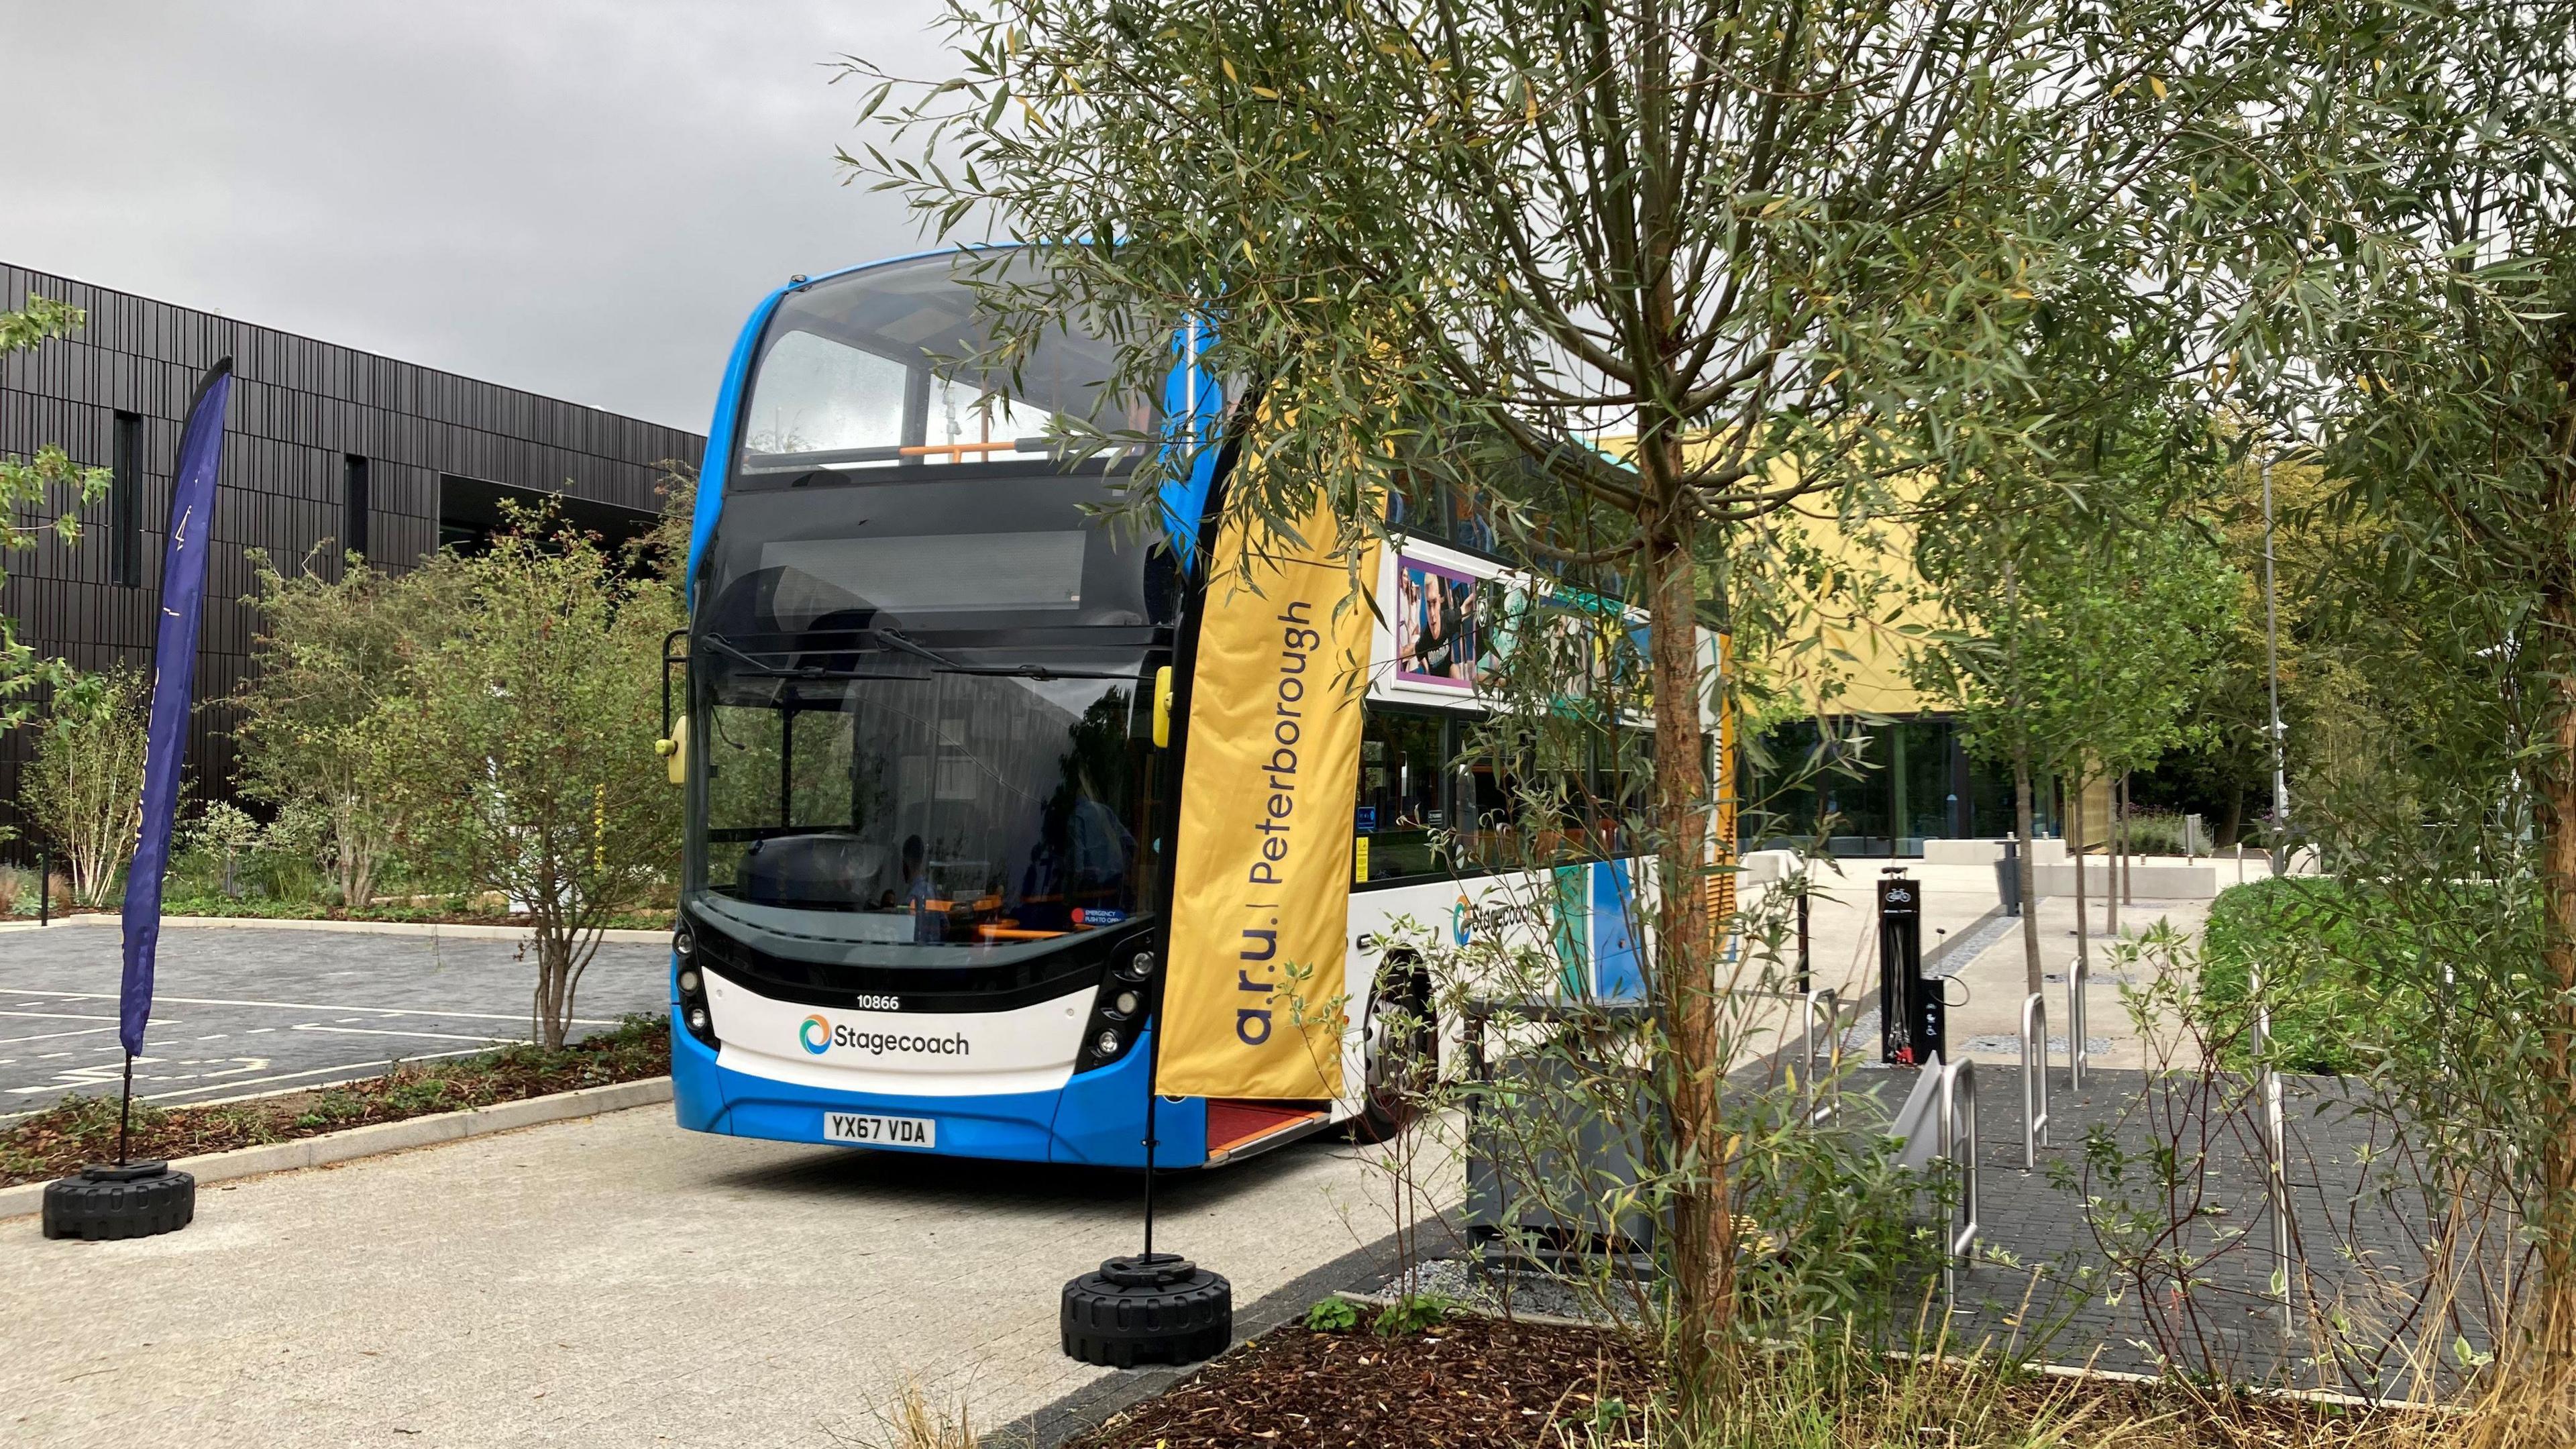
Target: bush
2156,833
2308,936
85,790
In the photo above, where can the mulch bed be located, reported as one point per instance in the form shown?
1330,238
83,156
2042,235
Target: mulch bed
82,1130
1465,1383
1472,1382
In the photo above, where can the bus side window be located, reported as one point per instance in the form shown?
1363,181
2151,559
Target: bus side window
1402,806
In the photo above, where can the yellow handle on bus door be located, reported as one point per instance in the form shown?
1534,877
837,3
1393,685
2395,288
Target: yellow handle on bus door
1163,708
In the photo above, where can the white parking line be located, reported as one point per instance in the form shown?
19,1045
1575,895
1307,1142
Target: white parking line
375,1031
50,1035
349,1071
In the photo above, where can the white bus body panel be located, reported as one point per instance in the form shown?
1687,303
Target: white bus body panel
969,1054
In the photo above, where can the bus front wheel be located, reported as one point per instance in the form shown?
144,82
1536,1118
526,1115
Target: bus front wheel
1400,1054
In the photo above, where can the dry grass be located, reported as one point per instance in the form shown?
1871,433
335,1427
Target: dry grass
911,1421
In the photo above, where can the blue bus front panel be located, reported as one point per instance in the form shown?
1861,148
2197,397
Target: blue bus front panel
1095,1118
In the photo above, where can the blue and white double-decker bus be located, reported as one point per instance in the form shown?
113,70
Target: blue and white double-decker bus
927,815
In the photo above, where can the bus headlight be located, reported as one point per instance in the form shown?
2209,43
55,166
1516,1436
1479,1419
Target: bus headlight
1118,1010
689,985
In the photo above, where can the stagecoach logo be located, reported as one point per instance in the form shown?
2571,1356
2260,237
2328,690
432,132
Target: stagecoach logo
1467,918
820,1036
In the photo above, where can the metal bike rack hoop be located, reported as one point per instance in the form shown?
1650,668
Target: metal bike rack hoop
1958,1139
2077,978
2034,1078
1819,1107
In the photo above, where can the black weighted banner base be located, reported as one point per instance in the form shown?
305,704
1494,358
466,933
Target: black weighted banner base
1157,1309
100,1203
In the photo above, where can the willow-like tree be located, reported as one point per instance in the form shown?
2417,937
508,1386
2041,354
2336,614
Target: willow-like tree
2447,394
1767,252
2085,641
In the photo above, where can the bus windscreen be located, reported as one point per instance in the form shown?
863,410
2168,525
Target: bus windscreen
892,366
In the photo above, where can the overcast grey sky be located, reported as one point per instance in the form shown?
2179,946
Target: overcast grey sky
579,197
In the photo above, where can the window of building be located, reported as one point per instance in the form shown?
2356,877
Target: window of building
472,510
125,503
353,505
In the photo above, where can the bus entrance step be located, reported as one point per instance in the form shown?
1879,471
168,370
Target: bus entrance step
1237,1128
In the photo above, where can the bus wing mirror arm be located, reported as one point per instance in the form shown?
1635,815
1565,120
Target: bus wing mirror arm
1163,708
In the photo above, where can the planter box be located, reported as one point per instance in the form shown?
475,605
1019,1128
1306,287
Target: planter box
2174,881
2043,851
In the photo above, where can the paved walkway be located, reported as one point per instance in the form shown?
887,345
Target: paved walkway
238,1011
2059,1270
616,1281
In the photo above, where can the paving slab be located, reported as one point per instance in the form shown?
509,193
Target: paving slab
618,1281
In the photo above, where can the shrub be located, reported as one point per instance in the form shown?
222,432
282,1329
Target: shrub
314,733
85,790
2156,833
2307,937
520,740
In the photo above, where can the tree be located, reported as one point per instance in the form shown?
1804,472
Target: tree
315,730
1786,249
34,483
2444,393
2084,645
84,790
521,739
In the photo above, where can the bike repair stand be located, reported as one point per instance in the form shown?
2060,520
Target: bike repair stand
1913,1019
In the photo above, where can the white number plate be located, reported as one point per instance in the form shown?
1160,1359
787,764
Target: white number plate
880,1131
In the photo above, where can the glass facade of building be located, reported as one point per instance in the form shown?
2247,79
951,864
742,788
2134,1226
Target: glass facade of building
1859,788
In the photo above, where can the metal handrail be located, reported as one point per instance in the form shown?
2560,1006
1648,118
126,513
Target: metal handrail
2034,1078
1819,1109
2076,1058
1958,1081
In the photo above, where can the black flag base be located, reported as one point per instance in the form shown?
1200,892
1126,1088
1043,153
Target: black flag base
1157,1308
140,1201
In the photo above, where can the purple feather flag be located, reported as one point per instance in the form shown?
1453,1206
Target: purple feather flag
174,679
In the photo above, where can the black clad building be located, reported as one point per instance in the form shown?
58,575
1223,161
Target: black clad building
325,447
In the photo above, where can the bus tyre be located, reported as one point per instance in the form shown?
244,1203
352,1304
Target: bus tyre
1400,1054
1162,1309
100,1203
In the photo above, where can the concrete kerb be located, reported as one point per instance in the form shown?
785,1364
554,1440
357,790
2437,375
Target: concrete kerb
454,931
335,1147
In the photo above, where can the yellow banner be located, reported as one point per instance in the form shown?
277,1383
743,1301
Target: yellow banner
1261,887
